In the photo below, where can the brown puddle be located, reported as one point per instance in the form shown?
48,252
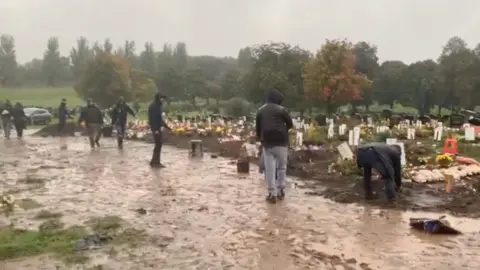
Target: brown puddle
211,218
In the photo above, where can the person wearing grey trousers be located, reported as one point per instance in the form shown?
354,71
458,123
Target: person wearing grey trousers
271,125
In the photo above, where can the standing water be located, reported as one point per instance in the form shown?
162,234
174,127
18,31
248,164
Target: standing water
208,217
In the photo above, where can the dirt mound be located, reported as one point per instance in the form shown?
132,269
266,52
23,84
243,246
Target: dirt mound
52,130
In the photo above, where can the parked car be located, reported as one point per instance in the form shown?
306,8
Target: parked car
37,116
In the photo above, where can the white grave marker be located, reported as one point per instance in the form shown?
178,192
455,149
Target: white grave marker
469,134
345,151
356,136
342,129
299,139
411,134
437,134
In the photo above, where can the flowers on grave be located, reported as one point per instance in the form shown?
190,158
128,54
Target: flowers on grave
7,204
436,175
444,160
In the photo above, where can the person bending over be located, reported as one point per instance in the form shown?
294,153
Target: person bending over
386,159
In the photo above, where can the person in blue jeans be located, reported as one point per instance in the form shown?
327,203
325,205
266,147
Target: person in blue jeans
261,166
271,126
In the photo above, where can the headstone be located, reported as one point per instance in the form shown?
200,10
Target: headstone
345,151
457,120
342,129
299,139
356,136
391,141
411,134
438,132
470,134
330,131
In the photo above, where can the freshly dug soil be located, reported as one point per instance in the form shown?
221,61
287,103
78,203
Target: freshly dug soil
312,167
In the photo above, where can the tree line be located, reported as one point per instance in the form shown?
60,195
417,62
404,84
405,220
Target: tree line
339,73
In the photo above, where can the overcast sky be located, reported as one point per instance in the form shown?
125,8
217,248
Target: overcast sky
407,30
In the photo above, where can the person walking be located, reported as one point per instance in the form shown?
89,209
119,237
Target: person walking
386,159
156,122
6,116
272,124
93,119
119,119
19,119
63,114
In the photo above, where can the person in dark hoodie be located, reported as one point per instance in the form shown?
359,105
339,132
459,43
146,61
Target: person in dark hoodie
92,116
63,114
6,116
119,119
272,124
19,118
386,159
156,122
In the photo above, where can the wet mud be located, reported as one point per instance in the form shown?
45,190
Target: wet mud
200,214
312,168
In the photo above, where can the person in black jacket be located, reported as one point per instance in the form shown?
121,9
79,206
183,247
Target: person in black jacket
156,122
63,114
386,159
93,118
272,125
119,119
19,118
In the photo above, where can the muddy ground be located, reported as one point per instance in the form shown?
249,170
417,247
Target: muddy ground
312,168
200,214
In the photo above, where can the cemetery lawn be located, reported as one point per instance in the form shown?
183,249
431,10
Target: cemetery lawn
41,96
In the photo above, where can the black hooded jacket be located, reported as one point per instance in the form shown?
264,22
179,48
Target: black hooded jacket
155,114
273,121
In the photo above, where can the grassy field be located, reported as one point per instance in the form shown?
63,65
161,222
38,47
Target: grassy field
51,96
42,96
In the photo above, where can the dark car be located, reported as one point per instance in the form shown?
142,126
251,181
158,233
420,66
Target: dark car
37,116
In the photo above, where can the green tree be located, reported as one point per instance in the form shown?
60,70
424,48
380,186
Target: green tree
230,84
8,60
148,60
276,66
367,64
420,80
143,86
331,75
195,84
245,58
106,78
107,46
388,87
457,65
52,62
180,57
79,57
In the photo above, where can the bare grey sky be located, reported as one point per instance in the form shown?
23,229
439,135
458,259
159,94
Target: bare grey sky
407,30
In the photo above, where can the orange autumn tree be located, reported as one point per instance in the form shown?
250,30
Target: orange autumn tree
331,77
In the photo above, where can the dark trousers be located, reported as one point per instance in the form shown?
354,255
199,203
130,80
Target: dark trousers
61,125
157,149
120,133
19,128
